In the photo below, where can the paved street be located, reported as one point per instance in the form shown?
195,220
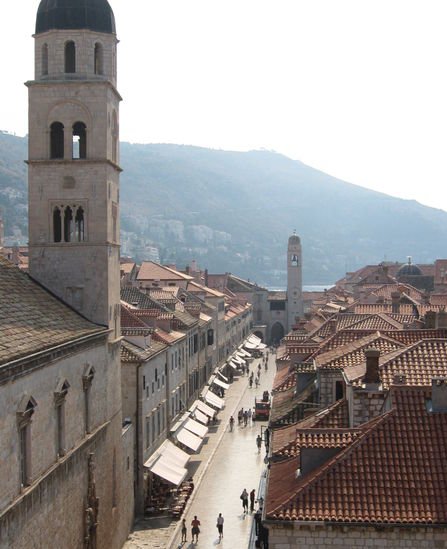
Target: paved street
227,463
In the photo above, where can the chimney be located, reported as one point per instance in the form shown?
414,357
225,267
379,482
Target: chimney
372,376
395,302
439,394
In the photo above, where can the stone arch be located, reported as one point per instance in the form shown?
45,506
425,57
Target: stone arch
99,58
56,140
44,70
277,333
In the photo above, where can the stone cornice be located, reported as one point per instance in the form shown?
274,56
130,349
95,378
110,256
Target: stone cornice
30,363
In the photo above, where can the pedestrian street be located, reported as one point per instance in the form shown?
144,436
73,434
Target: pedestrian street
236,465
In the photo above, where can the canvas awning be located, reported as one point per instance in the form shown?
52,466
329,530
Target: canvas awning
253,339
189,439
220,374
243,353
167,470
200,416
220,383
196,428
250,345
205,409
238,359
214,400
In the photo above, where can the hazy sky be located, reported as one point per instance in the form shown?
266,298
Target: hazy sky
356,88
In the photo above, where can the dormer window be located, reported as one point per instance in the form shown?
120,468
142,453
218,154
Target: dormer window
70,57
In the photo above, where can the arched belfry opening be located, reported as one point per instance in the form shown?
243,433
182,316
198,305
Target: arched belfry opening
79,141
45,60
99,59
70,57
57,224
56,140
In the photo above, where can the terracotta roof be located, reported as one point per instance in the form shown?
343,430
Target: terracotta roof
378,321
32,319
373,308
162,296
153,271
333,417
130,320
387,289
167,337
393,473
317,438
132,353
133,296
354,353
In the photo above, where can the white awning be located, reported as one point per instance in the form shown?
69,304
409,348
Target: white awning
200,416
232,364
196,428
220,374
254,339
262,346
221,383
189,439
204,408
238,359
250,345
214,400
170,472
172,453
243,353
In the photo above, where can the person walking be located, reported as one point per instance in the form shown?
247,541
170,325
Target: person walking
219,525
250,382
259,443
244,498
231,423
184,530
257,382
249,415
252,500
245,418
239,416
195,530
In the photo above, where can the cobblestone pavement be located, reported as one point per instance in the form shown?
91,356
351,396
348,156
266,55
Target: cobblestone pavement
227,463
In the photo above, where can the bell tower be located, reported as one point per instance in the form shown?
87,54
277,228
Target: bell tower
294,281
73,157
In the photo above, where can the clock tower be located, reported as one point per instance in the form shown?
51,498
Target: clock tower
294,281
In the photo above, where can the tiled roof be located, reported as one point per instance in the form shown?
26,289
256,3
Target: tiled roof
333,417
162,296
386,290
130,320
153,271
317,438
374,308
167,337
132,353
135,297
378,321
393,473
354,353
32,319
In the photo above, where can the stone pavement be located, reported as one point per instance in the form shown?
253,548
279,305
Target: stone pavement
227,463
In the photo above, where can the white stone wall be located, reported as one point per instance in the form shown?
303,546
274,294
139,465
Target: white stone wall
291,536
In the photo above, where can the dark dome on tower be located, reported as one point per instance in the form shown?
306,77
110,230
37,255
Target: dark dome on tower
94,15
409,270
294,239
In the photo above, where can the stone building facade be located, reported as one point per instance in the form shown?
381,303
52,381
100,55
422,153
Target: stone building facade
67,465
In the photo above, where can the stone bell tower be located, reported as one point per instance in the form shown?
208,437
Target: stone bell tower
74,157
294,281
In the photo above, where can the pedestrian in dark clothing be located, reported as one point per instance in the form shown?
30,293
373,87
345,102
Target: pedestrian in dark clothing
252,500
219,525
245,418
244,498
195,530
250,382
184,530
239,417
259,443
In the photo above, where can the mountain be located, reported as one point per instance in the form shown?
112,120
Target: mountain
233,211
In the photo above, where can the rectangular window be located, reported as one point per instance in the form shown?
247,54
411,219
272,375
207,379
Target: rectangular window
195,343
60,435
148,433
24,458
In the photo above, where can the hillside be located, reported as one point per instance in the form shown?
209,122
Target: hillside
233,211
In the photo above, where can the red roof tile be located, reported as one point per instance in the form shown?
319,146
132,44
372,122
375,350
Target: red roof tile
394,472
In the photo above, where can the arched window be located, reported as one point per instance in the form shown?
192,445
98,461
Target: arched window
57,225
68,224
99,59
57,140
70,57
45,60
79,140
79,225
